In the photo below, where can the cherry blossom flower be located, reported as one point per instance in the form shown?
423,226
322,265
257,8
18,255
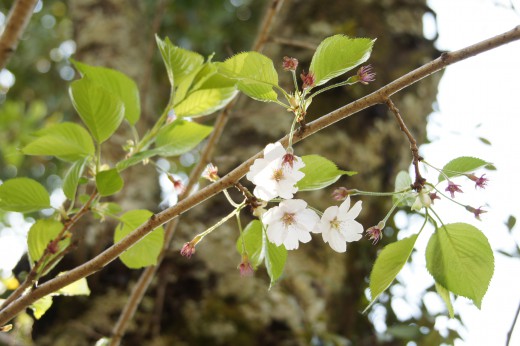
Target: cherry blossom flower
289,64
479,182
365,75
290,223
337,225
272,174
452,188
423,200
210,172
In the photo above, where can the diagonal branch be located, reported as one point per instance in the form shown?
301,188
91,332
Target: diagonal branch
148,274
17,21
377,97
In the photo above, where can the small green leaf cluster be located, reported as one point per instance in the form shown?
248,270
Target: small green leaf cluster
458,255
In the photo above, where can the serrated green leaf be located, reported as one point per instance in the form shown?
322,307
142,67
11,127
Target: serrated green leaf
66,141
41,306
445,295
253,241
71,180
145,252
338,54
41,233
275,258
108,182
99,109
388,264
116,83
23,195
182,89
403,181
204,102
255,74
459,258
179,62
180,137
461,165
319,173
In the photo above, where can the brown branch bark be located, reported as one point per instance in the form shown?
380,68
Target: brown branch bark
377,97
17,21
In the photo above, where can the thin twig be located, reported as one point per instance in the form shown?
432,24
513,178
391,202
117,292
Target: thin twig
146,277
33,274
510,332
377,97
419,180
17,21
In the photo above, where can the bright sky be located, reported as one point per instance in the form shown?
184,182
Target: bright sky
479,97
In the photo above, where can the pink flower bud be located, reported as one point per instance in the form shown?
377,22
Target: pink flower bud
211,172
340,193
289,64
375,233
307,79
188,249
365,75
246,269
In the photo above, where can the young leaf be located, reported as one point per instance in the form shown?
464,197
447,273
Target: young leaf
108,182
255,74
204,101
338,54
23,195
319,173
460,165
41,306
116,83
459,258
275,258
180,137
445,295
253,241
388,264
71,180
99,109
40,235
135,159
145,252
77,288
403,181
67,141
179,62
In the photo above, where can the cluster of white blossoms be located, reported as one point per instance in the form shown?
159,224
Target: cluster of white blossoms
291,222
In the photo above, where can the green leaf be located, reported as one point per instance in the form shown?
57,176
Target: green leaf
145,252
41,306
179,62
108,182
275,258
180,137
77,288
23,195
204,101
99,109
41,233
388,264
319,173
255,74
116,83
338,54
66,141
71,180
460,259
445,295
403,181
461,165
135,159
405,331
253,240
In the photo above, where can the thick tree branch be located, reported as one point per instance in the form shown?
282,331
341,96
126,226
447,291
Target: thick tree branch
377,97
17,21
146,277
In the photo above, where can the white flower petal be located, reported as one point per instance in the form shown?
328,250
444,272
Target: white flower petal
353,231
329,214
303,235
291,241
354,211
308,219
344,207
277,233
293,205
337,242
273,151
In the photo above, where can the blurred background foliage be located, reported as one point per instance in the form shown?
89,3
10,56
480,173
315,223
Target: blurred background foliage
203,301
